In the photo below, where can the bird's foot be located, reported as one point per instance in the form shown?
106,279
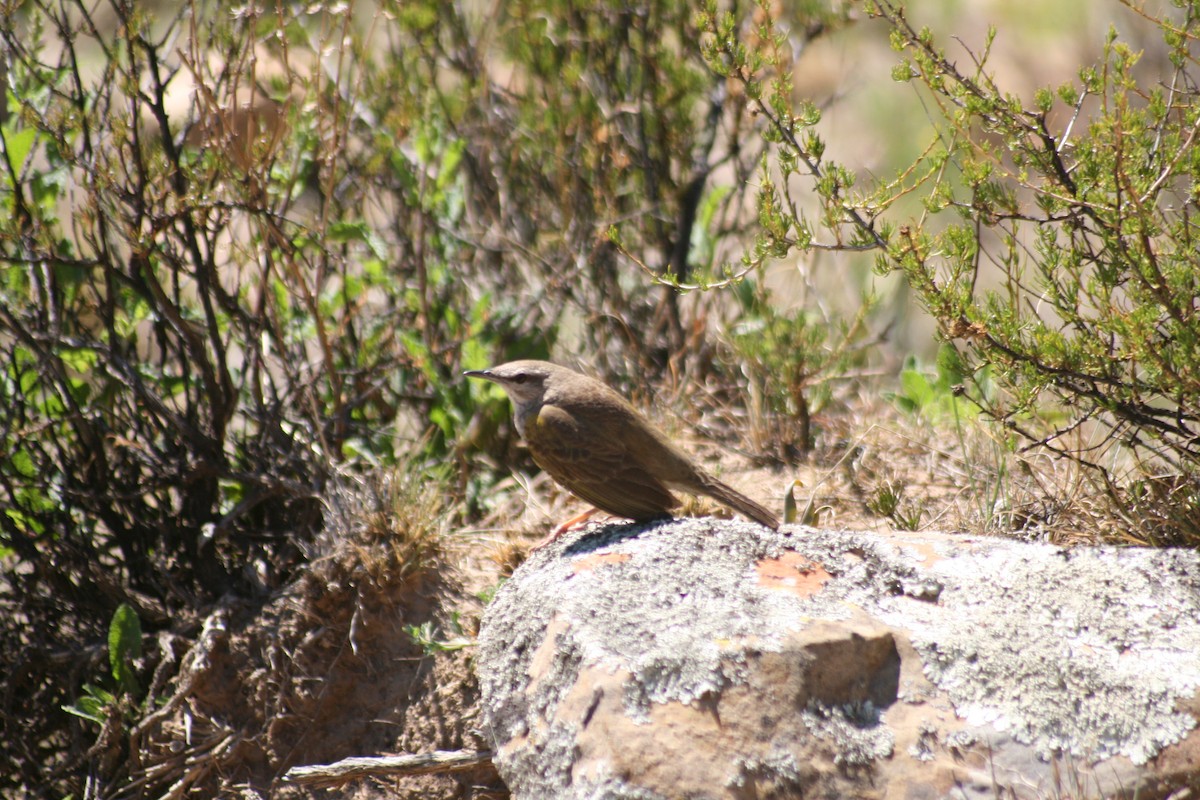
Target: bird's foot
564,527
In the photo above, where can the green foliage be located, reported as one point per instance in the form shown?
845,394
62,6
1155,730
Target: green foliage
760,62
940,397
429,639
97,704
889,501
792,356
94,705
1056,244
125,647
810,514
610,121
1094,243
488,594
950,400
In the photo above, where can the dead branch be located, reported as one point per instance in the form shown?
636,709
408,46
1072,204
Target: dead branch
349,769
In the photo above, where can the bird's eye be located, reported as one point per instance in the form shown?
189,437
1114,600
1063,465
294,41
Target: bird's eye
520,377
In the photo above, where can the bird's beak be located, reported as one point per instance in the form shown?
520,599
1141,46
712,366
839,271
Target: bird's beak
486,374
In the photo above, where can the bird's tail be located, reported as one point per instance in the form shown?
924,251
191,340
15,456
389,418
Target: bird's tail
740,503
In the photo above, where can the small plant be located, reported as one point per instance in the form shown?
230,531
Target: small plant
488,594
124,649
940,397
886,499
429,639
809,515
95,705
790,359
889,501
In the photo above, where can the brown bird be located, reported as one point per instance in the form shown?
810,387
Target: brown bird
593,442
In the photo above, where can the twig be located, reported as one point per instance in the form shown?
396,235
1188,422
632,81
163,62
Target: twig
349,769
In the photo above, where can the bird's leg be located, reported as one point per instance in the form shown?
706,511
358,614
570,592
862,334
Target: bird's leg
562,528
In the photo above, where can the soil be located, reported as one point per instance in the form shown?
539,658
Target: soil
349,660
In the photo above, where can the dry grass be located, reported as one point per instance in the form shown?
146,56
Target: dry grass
874,468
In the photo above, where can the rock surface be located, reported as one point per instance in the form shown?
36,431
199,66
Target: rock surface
711,659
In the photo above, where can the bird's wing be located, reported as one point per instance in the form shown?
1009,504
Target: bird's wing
596,467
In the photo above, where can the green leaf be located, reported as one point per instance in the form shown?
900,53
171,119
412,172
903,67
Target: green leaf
93,705
22,461
450,161
124,646
80,359
917,388
18,144
358,231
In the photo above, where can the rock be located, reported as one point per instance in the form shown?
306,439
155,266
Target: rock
709,659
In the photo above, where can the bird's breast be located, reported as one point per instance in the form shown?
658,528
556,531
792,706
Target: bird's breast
525,418
533,428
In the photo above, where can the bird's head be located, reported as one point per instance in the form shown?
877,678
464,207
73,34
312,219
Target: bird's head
525,381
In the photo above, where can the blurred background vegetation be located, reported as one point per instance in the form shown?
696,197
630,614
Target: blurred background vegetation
246,253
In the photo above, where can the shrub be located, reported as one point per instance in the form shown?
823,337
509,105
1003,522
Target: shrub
1056,247
243,254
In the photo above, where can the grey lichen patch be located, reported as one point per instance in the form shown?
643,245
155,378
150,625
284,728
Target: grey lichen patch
1083,652
856,733
960,741
923,749
1054,645
545,767
512,703
610,789
779,768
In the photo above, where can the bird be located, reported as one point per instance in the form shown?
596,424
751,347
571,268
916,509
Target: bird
593,442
